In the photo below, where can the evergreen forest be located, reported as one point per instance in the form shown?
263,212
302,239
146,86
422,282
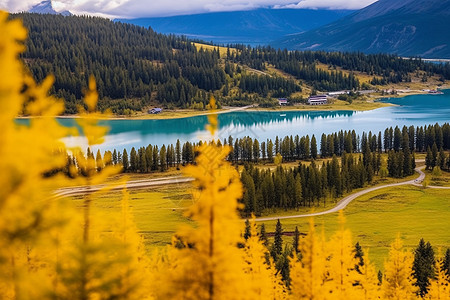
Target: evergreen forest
136,67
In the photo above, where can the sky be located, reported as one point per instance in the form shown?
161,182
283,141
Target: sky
160,8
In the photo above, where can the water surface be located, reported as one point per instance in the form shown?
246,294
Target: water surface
417,110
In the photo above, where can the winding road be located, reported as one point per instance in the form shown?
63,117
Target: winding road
346,201
145,183
135,184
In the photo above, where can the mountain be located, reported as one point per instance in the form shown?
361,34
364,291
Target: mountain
403,27
253,27
46,7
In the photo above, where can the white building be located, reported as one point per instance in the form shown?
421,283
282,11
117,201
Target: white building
283,101
318,100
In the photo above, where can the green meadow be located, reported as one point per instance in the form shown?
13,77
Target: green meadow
374,219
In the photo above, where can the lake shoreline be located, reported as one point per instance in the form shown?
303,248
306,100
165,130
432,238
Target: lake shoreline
187,113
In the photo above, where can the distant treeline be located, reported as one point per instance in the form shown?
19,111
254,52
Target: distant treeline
306,184
431,138
302,64
136,67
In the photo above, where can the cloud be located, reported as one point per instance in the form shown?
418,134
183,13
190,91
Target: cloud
154,8
17,5
329,4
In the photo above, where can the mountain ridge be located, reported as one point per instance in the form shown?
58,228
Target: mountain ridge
46,7
406,28
254,27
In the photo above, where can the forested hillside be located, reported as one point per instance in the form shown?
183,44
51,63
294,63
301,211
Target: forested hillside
136,67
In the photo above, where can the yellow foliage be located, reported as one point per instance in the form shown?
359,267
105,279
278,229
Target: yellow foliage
45,249
397,280
342,274
440,286
210,265
263,282
49,249
26,153
309,274
368,281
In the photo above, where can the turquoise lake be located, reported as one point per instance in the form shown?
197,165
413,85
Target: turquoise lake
417,110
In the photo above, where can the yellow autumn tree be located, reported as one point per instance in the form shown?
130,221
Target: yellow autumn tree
98,264
397,279
308,275
263,282
342,274
134,277
439,288
368,287
26,153
210,265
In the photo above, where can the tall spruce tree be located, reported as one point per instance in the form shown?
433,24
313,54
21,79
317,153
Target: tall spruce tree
359,256
277,247
296,240
423,266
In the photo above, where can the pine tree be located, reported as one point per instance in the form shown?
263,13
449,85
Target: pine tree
359,256
143,167
296,240
429,159
446,263
178,153
163,158
423,266
313,147
99,161
247,232
277,246
249,196
133,160
125,160
263,236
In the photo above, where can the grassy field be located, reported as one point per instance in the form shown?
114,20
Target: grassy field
222,50
438,180
376,218
357,105
158,212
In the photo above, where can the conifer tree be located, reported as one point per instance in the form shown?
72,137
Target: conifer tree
247,232
446,263
277,246
99,161
125,160
133,160
263,236
398,282
313,147
423,266
296,240
359,256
